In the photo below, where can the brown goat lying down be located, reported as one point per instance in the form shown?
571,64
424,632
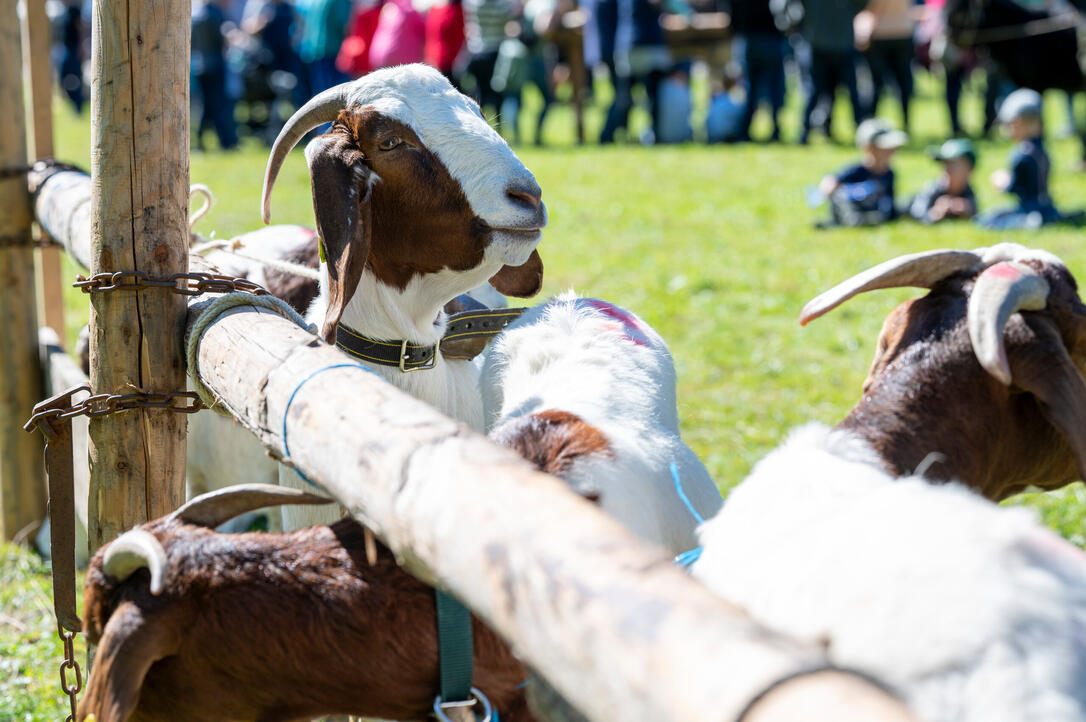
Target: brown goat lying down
267,626
981,380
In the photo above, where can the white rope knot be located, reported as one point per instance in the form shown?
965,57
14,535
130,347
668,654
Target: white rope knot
210,314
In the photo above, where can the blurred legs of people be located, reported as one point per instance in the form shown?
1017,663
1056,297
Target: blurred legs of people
891,59
824,72
763,60
481,68
217,111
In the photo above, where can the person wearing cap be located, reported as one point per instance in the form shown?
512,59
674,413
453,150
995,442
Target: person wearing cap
1027,178
863,194
949,195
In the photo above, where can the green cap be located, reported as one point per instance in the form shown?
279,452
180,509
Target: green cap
955,148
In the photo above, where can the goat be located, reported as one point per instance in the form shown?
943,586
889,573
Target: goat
972,611
192,624
981,380
417,200
586,391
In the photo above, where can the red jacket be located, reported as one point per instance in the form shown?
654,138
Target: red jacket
444,35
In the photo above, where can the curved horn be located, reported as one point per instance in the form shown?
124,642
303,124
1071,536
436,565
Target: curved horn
922,270
199,189
216,507
321,108
135,550
999,292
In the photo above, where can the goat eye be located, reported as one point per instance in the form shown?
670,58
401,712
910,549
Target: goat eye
389,143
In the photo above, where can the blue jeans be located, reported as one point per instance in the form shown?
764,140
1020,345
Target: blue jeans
218,111
763,68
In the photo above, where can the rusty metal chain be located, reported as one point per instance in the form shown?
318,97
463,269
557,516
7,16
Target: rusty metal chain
183,402
185,284
24,240
71,690
14,171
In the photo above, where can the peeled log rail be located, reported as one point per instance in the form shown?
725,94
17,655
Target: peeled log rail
605,617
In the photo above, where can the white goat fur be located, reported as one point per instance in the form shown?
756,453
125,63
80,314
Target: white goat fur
971,611
484,165
615,372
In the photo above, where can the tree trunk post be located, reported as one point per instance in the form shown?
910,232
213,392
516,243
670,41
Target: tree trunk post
139,199
22,501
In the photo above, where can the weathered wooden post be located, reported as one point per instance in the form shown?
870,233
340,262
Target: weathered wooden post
38,79
22,501
140,177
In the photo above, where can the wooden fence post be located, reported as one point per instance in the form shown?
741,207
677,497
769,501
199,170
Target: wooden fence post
140,178
38,79
22,501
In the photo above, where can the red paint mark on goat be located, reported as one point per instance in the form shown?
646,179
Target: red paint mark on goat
631,326
1004,270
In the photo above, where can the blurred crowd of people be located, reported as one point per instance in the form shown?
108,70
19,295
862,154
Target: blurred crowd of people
254,59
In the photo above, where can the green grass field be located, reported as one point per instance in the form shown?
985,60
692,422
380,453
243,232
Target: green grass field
711,245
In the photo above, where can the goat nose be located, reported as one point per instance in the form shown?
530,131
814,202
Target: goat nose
524,196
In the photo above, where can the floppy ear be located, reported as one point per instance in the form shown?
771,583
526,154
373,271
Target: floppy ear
1045,369
342,185
130,644
520,281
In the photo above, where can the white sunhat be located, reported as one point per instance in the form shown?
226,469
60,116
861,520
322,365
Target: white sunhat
879,133
1022,103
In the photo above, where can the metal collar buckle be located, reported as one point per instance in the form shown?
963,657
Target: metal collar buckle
477,697
403,360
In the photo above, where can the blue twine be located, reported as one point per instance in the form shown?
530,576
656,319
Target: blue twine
682,495
286,411
687,558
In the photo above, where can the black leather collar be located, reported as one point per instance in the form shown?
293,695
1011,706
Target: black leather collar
466,335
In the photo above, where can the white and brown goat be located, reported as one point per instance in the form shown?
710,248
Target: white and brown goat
971,611
192,624
981,380
586,391
417,200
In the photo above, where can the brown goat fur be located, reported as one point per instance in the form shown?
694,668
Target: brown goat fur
262,626
552,440
926,392
296,290
385,201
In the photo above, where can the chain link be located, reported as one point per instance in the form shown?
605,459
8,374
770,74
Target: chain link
24,240
183,402
14,171
185,284
71,690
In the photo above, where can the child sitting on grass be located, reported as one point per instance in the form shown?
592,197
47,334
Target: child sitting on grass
727,106
863,194
1027,178
949,195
